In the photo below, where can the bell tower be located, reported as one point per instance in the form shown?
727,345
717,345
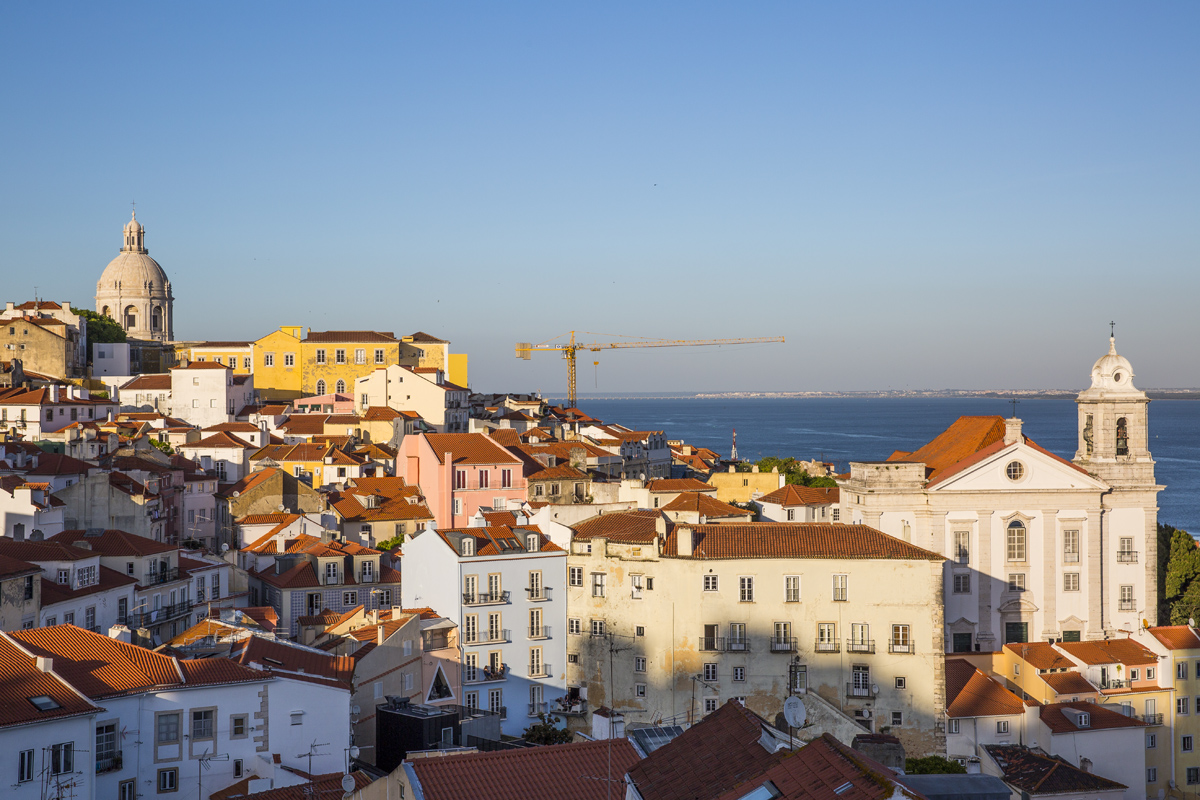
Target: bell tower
1112,425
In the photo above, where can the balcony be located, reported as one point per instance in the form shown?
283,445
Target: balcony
488,637
1126,605
537,594
783,644
484,674
435,642
567,707
163,576
109,761
827,647
538,708
1149,719
895,646
1113,684
485,598
539,670
147,618
860,645
712,644
1127,557
542,632
853,691
738,646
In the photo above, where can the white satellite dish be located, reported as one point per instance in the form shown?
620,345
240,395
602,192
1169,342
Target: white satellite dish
866,713
348,783
794,712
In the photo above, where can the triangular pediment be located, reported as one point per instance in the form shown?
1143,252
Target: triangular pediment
1037,469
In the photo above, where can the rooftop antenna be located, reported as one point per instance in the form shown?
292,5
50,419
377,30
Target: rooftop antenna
312,751
202,764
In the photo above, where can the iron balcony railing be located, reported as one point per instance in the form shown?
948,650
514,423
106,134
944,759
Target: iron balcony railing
783,644
738,645
860,645
109,761
827,647
436,642
857,691
712,643
163,576
484,674
539,670
537,708
145,619
538,592
485,598
900,646
1126,605
1127,556
1115,683
564,705
540,632
1149,719
491,637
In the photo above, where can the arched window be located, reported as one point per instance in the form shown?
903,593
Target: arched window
156,319
1122,437
106,311
1016,540
320,387
340,387
130,317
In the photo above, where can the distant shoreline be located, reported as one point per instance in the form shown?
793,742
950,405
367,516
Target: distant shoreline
1019,394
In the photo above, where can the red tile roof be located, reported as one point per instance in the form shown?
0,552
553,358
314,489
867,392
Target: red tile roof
1068,683
704,504
108,579
1102,718
149,383
964,437
574,771
970,693
1040,655
791,495
48,550
348,337
1038,774
22,680
321,786
469,448
115,543
793,540
680,485
294,661
201,365
60,464
219,439
636,526
1176,637
100,667
1110,651
14,567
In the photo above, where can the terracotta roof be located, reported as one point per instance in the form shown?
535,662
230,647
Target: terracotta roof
60,464
37,305
280,453
559,472
469,448
1110,651
108,579
100,667
201,365
14,567
267,519
48,550
213,671
324,619
794,540
421,336
351,504
711,757
1102,718
381,414
505,437
972,694
680,485
23,681
250,481
704,504
293,661
348,337
304,424
564,772
115,543
791,495
826,769
496,540
1176,637
1040,655
964,437
1036,772
149,383
234,427
1068,683
321,786
637,526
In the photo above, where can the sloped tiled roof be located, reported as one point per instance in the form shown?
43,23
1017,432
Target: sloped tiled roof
220,439
115,543
565,772
794,540
1176,637
792,495
21,680
60,464
149,383
1102,718
321,786
704,504
108,579
469,448
294,661
965,436
1040,655
680,485
12,567
1068,683
1036,772
98,666
1110,651
970,693
348,337
48,550
637,526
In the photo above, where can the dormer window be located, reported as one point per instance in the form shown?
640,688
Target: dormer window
1085,720
331,572
531,542
468,547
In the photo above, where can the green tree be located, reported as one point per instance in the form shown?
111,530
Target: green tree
100,329
793,473
388,544
933,765
165,447
1180,588
546,731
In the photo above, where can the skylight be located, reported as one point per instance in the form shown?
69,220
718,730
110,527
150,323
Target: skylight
44,703
845,787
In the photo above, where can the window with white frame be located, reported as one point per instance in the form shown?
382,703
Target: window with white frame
574,626
711,704
1016,540
1002,726
1070,581
739,674
791,589
952,726
841,588
25,766
598,581
575,576
639,690
168,780
746,589
1071,547
962,547
639,663
710,583
1016,581
710,672
597,627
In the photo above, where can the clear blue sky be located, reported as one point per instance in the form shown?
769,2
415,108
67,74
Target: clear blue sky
917,195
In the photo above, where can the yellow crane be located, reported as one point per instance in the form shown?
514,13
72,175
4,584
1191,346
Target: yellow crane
525,350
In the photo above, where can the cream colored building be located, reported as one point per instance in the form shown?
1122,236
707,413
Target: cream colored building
134,290
1040,548
425,391
699,614
742,487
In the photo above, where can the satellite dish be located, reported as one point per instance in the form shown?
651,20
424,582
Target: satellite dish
866,713
794,712
355,710
355,752
1191,622
348,783
224,547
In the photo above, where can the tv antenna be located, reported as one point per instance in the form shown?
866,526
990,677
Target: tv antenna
202,765
312,751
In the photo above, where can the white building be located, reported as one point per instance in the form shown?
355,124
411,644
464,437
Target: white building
205,393
27,508
791,503
150,392
76,588
223,454
1039,547
35,412
506,589
110,360
424,390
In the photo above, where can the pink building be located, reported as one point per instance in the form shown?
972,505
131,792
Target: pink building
460,472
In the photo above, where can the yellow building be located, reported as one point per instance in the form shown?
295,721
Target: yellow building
739,487
278,365
333,360
322,464
238,356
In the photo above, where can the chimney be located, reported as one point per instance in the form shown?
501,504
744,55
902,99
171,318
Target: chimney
45,663
53,393
683,541
379,635
1012,431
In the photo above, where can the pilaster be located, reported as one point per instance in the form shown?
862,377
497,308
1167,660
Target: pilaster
984,634
1093,556
1050,573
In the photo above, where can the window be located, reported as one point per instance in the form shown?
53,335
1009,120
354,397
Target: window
710,705
339,356
710,583
168,728
268,359
483,478
1186,744
746,589
246,362
331,572
360,355
1125,601
1016,581
952,727
841,587
506,479
710,672
1123,450
1135,674
496,702
202,724
826,637
637,583
64,577
1016,541
574,626
737,636
1016,669
598,579
379,355
468,547
791,589
1151,741
1070,547
739,674
297,717
1181,671
238,769
572,658
1151,774
639,689
639,631
340,386
1015,471
62,758
289,359
460,479
901,643
321,356
791,514
962,583
1016,632
1070,581
237,726
1002,726
168,780
1149,671
962,547
897,718
320,387
639,663
597,627
901,682
25,766
1182,704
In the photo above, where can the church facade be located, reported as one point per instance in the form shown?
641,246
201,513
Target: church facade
135,291
1038,548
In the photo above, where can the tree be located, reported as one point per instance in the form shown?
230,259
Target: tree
933,765
388,544
546,731
164,447
1181,589
793,473
100,329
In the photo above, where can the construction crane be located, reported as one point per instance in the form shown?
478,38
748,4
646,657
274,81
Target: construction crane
525,350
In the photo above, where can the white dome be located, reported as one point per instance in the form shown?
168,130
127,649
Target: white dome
130,272
1113,371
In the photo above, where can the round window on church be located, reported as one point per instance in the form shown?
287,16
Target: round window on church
1117,377
1015,470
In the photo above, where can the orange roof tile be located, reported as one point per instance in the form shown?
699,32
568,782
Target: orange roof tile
115,543
965,436
98,666
1101,718
293,661
1068,683
680,485
469,448
22,681
793,540
637,526
970,693
1176,637
1110,651
1040,655
792,495
704,504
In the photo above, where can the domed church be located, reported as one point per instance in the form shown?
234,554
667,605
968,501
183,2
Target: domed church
135,291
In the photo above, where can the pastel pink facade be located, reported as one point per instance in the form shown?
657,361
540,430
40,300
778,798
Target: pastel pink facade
459,473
